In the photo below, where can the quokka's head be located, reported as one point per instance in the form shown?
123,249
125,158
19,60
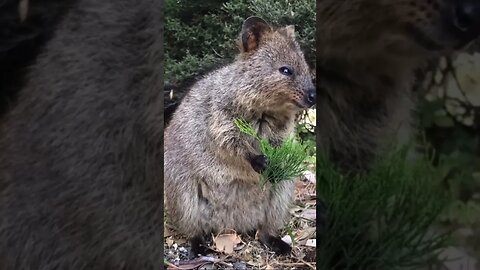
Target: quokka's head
273,67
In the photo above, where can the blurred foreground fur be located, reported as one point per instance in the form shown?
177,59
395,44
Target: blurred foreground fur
81,147
367,55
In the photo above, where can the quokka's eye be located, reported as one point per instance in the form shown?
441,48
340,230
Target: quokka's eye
288,71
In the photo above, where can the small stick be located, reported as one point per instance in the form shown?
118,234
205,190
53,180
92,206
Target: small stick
311,265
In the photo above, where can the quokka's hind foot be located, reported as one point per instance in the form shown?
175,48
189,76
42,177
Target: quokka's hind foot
275,243
198,245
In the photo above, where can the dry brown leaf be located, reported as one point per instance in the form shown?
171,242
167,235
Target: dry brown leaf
167,232
181,241
195,263
310,177
299,185
311,203
226,242
305,233
268,267
170,241
304,191
310,214
295,209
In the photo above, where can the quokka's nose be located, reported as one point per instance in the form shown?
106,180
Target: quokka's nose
311,97
467,18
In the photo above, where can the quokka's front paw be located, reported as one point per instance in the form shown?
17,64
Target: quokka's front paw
259,163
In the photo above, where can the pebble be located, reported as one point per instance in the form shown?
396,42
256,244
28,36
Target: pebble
240,266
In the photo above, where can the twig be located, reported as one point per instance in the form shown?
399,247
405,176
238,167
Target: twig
169,264
311,265
219,55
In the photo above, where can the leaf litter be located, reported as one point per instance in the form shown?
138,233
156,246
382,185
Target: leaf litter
230,250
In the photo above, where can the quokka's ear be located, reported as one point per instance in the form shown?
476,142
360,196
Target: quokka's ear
253,29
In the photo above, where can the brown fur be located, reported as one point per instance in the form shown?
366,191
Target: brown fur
81,148
367,53
210,184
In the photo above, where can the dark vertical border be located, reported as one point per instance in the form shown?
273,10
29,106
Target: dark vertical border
320,206
50,214
161,87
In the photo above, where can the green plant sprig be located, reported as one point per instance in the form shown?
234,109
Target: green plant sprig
285,162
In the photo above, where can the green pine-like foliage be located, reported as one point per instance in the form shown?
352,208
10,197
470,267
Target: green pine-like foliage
383,219
285,162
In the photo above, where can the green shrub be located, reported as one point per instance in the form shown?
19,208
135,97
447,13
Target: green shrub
382,219
202,35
